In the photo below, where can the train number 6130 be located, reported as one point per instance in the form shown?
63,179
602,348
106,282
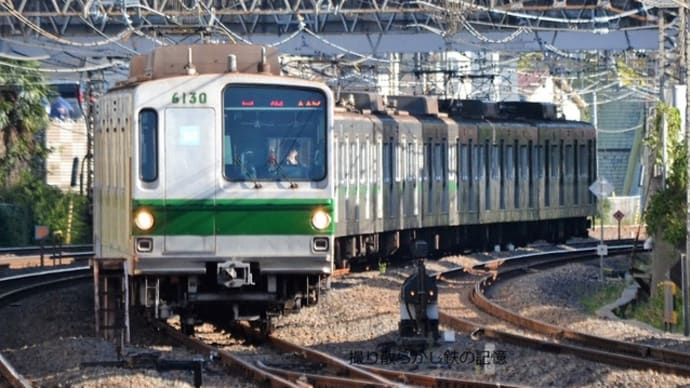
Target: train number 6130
189,98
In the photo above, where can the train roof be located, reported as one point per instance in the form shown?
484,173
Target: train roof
171,61
503,110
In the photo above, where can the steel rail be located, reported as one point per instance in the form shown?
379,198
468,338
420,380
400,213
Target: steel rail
14,378
316,356
647,352
435,381
618,359
374,376
595,348
228,359
31,250
320,380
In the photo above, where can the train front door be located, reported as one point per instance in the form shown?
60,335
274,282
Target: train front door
190,179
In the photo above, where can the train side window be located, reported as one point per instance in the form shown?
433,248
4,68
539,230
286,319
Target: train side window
591,166
398,161
374,160
464,162
478,155
547,173
438,162
502,174
363,159
342,161
582,169
386,162
509,162
569,162
494,162
529,164
353,162
148,151
524,161
561,181
452,157
410,162
444,160
555,161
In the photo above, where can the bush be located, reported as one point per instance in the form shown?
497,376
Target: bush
42,205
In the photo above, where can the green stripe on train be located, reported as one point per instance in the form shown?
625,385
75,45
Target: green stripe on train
233,216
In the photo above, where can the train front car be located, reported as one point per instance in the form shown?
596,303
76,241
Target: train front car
231,201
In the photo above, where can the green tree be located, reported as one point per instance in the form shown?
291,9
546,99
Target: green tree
666,212
25,199
22,117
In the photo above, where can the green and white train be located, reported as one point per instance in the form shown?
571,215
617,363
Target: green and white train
197,190
181,194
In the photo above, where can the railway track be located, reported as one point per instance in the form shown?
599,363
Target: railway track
559,339
326,370
285,376
13,287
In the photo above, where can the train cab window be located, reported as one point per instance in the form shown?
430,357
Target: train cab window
274,134
148,148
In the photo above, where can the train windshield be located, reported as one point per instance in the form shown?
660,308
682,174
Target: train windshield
274,133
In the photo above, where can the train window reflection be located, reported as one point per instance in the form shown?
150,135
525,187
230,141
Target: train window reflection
269,141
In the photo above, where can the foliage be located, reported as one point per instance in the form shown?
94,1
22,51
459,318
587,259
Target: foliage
652,312
43,205
383,265
666,211
14,224
605,295
629,76
22,116
532,61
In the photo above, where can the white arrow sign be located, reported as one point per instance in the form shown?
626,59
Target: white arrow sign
601,188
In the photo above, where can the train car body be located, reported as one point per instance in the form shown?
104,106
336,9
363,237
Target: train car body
192,188
461,177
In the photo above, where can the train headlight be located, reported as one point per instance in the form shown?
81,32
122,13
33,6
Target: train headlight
320,220
144,220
